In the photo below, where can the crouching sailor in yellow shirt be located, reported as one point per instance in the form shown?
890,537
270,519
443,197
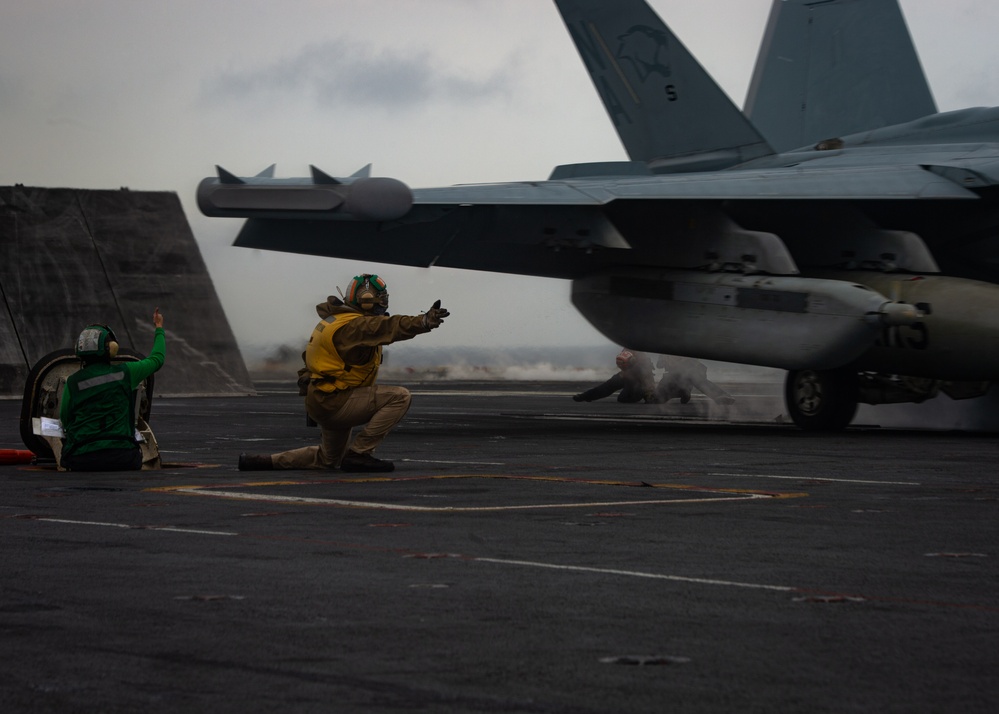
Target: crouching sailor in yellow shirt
342,357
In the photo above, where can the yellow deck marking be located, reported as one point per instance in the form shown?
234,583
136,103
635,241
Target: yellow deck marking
231,492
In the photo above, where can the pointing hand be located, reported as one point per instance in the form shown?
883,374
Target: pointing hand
433,317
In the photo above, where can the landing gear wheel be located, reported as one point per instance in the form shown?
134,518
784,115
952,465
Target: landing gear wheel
821,400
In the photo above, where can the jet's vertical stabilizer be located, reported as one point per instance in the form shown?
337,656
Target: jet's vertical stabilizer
667,110
833,68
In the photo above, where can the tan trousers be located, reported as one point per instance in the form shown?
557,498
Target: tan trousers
379,408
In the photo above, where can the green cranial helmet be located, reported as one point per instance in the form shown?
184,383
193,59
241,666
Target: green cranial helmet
368,293
95,342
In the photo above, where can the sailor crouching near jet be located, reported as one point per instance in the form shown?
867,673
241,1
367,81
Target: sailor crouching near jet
635,380
683,374
98,403
343,356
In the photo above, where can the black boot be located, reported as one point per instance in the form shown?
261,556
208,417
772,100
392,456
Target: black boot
354,462
255,462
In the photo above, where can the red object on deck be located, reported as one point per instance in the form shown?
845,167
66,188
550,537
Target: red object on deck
16,456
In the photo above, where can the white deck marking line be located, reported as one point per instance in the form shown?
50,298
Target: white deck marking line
238,495
492,393
600,417
638,574
497,561
129,526
822,478
439,461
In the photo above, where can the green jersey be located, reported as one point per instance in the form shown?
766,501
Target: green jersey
98,403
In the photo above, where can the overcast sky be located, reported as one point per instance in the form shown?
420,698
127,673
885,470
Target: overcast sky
151,95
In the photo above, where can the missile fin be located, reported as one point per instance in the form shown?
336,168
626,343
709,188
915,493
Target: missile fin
226,177
319,176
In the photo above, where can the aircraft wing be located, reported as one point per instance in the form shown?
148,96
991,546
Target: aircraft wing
856,183
561,228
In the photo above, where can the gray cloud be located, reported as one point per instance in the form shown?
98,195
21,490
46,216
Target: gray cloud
340,72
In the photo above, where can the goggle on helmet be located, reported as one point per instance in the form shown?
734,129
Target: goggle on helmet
96,341
368,293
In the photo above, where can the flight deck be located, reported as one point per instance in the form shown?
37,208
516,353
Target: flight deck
528,554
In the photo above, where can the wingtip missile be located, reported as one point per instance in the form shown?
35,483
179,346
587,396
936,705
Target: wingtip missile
322,196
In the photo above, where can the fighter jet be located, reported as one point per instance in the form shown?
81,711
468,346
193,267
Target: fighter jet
840,228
